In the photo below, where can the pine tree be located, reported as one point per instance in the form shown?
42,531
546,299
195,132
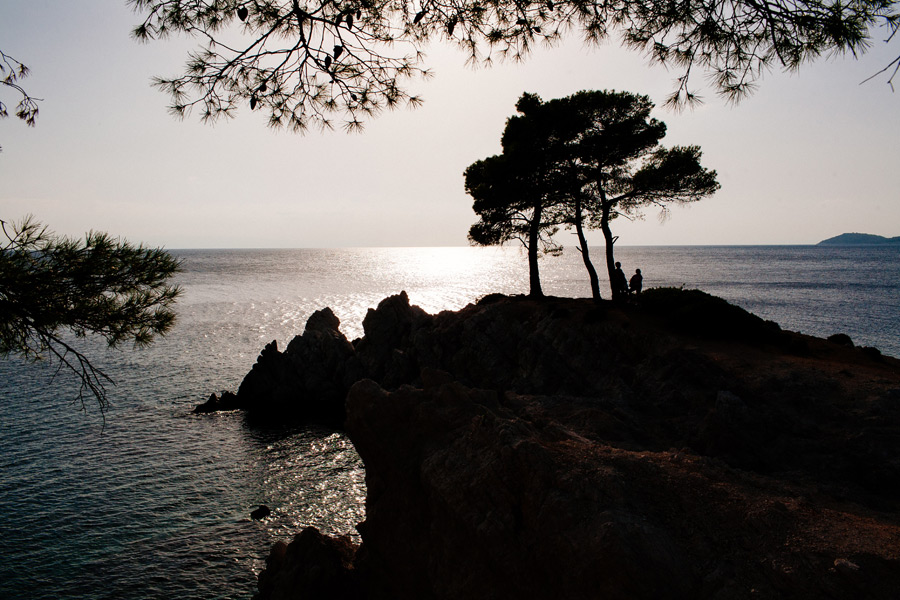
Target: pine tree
54,289
579,161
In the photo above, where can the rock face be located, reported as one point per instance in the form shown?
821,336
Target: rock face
677,448
484,497
308,381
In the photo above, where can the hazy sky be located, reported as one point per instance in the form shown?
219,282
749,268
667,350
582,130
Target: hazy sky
810,155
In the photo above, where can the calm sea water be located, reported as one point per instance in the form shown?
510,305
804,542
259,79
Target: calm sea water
155,503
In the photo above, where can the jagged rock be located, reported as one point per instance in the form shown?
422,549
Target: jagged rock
388,328
225,401
208,406
323,320
309,380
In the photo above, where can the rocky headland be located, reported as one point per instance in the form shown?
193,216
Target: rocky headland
860,239
672,447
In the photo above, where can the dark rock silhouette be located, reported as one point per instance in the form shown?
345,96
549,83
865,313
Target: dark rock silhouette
841,339
224,401
675,448
860,239
389,329
260,513
309,380
313,565
489,497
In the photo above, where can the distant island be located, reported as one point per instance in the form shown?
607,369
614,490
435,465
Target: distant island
860,239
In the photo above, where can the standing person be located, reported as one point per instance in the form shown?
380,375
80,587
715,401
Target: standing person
637,281
620,282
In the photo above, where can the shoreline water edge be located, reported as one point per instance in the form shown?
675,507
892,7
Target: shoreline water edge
675,446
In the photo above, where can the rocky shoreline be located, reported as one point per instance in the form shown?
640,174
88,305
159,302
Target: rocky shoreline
675,447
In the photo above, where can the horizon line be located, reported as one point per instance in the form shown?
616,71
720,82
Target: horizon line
592,246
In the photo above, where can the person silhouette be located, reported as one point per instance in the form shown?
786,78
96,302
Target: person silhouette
637,281
620,282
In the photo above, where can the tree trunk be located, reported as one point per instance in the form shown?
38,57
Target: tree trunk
610,256
585,255
534,277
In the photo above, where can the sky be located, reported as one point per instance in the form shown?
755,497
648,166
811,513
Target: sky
810,155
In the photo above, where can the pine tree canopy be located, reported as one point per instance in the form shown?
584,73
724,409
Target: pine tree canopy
579,161
304,61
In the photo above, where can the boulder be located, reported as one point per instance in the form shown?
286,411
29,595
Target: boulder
841,339
311,566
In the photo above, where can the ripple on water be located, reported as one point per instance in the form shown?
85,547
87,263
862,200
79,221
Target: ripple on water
157,503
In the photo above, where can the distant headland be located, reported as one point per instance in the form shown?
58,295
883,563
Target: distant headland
860,239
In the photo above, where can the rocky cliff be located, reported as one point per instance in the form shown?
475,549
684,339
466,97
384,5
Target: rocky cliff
675,447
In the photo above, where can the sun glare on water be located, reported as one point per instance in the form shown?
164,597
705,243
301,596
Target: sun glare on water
447,278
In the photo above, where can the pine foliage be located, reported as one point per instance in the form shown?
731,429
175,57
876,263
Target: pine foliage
304,61
50,285
11,72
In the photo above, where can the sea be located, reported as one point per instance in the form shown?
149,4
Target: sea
150,501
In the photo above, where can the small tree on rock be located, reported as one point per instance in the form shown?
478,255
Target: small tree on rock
517,194
580,161
624,167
